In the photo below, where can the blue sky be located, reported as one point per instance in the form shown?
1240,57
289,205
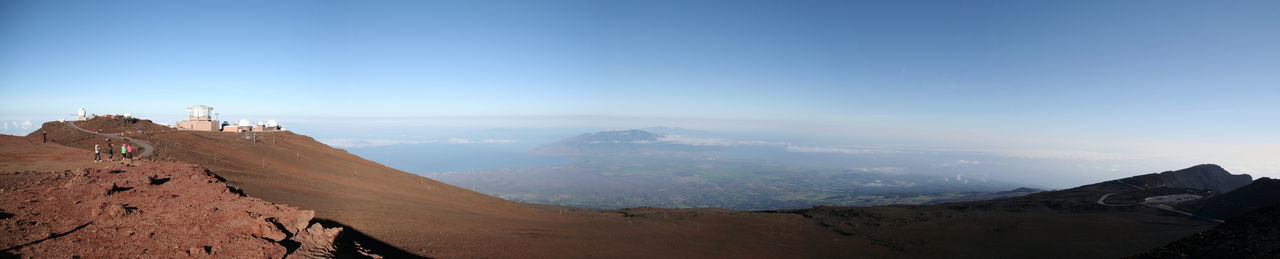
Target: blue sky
1144,77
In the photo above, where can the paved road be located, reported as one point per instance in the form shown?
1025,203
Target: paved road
147,148
1103,201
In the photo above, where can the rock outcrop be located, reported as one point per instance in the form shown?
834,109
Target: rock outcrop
316,242
150,209
1255,234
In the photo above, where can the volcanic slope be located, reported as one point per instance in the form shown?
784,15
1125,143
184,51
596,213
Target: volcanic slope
1261,193
1255,234
29,154
1102,220
433,219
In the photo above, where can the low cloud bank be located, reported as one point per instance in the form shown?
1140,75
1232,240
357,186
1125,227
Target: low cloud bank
719,142
851,151
16,128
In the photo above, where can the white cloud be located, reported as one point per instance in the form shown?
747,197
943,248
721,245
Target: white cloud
881,170
712,142
468,141
1078,155
961,163
804,149
25,124
718,142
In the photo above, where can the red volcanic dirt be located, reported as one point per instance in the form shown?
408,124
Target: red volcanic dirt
152,209
143,209
28,154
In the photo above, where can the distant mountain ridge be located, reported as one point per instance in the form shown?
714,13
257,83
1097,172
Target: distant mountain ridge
614,142
1206,177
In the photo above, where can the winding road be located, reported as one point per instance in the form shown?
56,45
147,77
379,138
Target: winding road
1103,201
147,148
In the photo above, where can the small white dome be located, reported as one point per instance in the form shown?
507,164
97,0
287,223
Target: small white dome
260,123
272,123
245,123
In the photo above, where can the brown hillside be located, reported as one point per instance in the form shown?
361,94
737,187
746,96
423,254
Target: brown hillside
63,133
28,154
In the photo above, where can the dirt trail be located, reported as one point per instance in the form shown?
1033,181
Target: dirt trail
147,148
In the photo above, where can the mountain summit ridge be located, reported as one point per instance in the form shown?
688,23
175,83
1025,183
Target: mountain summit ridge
1204,176
609,142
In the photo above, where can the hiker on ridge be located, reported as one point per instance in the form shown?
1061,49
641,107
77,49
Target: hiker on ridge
43,137
130,151
111,150
97,154
124,150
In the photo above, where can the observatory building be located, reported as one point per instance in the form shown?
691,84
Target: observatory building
198,119
244,125
81,115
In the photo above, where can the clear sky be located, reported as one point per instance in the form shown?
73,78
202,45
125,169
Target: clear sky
1198,79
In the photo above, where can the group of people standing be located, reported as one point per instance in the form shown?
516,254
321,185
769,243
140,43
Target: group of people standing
126,151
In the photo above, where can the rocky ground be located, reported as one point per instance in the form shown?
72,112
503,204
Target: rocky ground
1251,235
149,209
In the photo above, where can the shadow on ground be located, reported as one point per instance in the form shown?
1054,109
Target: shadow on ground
352,243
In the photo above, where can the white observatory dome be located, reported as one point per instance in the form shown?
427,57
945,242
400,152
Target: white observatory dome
260,123
245,123
272,123
80,113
